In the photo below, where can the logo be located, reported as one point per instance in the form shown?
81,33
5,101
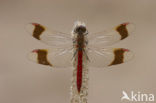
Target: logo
137,96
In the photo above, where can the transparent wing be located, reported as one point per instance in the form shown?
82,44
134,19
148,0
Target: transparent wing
52,38
109,37
107,57
58,58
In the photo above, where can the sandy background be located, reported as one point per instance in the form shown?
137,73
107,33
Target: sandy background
22,81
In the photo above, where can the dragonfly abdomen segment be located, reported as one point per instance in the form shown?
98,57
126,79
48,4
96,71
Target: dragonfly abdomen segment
79,70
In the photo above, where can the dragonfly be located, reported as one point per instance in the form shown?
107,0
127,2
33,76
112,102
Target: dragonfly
80,50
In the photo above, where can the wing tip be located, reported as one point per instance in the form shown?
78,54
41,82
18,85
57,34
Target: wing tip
125,23
35,50
126,50
32,56
130,26
35,24
128,55
30,27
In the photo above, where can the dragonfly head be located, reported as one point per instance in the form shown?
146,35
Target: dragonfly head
80,28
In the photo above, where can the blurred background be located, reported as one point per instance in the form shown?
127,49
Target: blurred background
22,81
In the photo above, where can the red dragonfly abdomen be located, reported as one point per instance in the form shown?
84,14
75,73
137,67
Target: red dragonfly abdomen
79,70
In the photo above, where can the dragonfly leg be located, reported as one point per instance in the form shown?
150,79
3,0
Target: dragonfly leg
86,55
74,54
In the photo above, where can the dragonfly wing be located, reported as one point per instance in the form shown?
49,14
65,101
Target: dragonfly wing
109,37
108,57
52,38
58,58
